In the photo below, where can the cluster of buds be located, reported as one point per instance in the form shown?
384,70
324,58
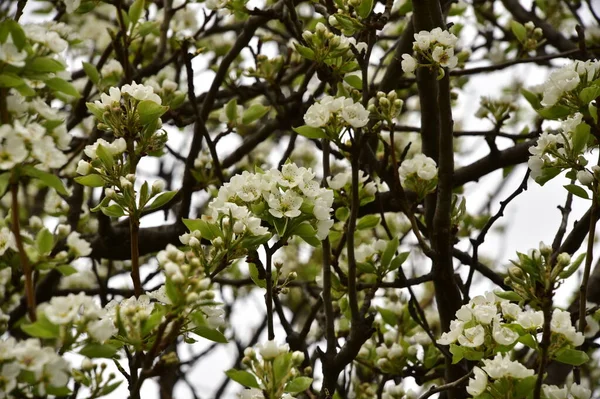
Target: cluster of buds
267,68
538,269
496,111
385,107
325,47
528,35
95,378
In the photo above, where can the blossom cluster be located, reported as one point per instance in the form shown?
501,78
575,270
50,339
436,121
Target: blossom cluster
25,364
273,196
336,111
434,48
497,369
418,174
555,151
560,87
80,312
488,323
273,372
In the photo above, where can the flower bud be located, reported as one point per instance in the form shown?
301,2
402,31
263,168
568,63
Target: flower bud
63,230
158,186
194,242
110,193
87,364
83,167
563,259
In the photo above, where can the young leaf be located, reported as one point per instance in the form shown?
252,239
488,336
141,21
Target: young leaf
368,222
114,211
48,179
518,30
45,64
231,110
211,334
571,356
298,384
577,190
44,241
242,377
162,199
66,270
91,72
255,112
150,111
310,132
135,11
388,253
94,350
61,85
354,81
90,180
364,8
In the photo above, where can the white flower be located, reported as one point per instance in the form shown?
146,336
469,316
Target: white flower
444,56
10,54
332,104
7,240
252,393
54,42
72,5
485,313
559,82
286,204
354,113
531,319
316,115
409,63
422,40
83,167
591,327
62,310
421,165
501,366
456,328
270,349
478,384
101,330
45,151
79,246
545,142
107,100
554,392
510,310
580,392
472,337
112,67
323,228
141,92
338,181
585,177
504,335
535,164
12,149
570,124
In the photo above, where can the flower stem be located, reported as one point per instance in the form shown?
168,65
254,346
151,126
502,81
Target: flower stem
27,270
134,227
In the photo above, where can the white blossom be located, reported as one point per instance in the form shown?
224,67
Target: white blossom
477,385
10,54
421,165
472,337
317,115
501,366
409,64
79,246
141,92
355,114
445,57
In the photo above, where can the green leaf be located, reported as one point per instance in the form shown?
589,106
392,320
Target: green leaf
354,81
149,111
342,213
91,72
298,384
255,112
162,199
571,356
48,179
364,8
90,180
547,175
593,112
388,253
44,241
589,94
66,270
256,277
231,110
509,295
310,132
94,350
367,222
532,98
577,190
555,112
45,64
105,157
109,388
566,273
305,52
61,85
519,31
304,230
581,136
457,353
135,11
42,328
9,79
242,377
399,260
211,334
388,316
4,182
18,35
114,211
282,365
198,224
57,391
525,386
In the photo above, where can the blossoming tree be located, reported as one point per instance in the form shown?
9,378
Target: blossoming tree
164,163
